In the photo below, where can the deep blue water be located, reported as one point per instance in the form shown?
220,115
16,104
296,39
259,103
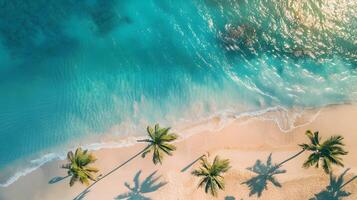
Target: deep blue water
73,69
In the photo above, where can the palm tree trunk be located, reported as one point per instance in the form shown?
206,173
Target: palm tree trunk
348,182
192,163
292,157
112,171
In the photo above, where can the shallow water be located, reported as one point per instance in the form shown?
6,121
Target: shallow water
70,70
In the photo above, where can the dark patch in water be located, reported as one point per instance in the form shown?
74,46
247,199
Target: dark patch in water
106,18
35,29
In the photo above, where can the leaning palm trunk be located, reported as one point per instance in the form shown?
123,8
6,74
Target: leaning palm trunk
292,157
327,152
112,171
159,142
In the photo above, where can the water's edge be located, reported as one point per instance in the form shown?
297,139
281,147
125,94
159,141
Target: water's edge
199,126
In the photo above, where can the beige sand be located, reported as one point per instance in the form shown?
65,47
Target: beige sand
243,141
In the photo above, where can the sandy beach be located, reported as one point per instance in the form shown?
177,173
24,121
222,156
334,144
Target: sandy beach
239,79
244,141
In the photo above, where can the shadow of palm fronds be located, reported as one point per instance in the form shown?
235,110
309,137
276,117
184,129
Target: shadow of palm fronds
82,196
137,191
229,198
57,179
334,191
265,173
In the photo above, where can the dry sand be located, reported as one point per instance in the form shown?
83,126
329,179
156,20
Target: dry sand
244,141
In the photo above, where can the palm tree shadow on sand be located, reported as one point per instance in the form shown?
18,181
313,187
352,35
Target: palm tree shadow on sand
137,192
334,191
230,198
265,173
57,179
82,196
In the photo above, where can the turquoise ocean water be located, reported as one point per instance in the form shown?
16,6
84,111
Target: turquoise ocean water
72,70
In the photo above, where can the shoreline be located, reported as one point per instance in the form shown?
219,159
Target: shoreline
190,129
255,143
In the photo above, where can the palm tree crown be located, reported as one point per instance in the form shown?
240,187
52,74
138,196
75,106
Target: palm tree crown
212,178
78,166
327,153
159,143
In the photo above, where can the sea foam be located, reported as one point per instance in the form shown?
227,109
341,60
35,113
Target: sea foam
283,117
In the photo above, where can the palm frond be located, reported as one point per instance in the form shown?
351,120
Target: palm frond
327,152
78,166
316,138
334,140
147,150
157,156
203,181
90,169
211,174
199,172
163,131
313,159
159,143
73,179
70,156
169,137
169,147
165,150
157,127
150,131
326,165
66,166
220,182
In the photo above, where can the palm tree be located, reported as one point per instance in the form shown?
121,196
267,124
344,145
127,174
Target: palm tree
327,153
159,143
78,166
212,174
